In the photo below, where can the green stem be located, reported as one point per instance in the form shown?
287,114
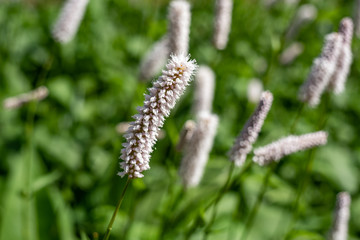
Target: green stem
308,167
217,200
250,221
29,130
295,207
109,228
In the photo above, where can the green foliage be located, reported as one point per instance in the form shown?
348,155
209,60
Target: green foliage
59,157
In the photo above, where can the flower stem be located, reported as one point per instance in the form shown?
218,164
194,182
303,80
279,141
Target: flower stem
301,190
308,168
109,228
217,200
255,208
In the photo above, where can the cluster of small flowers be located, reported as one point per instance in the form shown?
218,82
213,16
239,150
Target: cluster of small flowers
331,68
288,145
142,134
243,143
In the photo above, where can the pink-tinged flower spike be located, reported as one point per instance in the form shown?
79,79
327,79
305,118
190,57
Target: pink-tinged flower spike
35,95
69,20
179,27
204,90
321,71
288,145
248,135
339,229
155,59
142,133
186,134
222,23
196,151
338,79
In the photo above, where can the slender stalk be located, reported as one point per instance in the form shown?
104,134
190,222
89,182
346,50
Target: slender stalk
235,181
250,220
29,130
217,200
308,168
109,228
295,207
28,166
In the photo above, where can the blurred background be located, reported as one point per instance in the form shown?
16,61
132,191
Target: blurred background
59,156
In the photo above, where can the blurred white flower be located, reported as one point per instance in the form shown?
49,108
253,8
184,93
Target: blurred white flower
222,22
288,145
204,90
254,90
321,71
249,133
339,229
291,53
17,101
197,149
69,20
338,79
179,27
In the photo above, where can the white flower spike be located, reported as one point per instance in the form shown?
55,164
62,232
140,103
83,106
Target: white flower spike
222,23
142,133
321,71
69,20
37,94
288,145
179,27
339,229
243,143
204,90
197,149
338,79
